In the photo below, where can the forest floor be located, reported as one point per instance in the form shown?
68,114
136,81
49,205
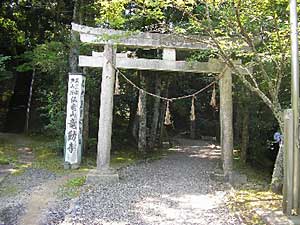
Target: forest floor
177,188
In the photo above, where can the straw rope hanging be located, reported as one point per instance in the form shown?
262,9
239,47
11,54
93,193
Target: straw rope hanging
167,119
193,113
117,84
213,101
168,115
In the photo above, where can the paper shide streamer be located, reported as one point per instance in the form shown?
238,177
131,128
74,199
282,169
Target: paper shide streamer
213,101
193,113
117,84
168,115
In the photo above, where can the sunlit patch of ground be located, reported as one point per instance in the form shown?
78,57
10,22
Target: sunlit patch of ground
246,200
206,151
186,208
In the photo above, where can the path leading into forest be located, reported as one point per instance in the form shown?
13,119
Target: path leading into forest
42,199
25,154
177,189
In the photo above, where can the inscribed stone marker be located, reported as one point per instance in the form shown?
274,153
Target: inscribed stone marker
74,118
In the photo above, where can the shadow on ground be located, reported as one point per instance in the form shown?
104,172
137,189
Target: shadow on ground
177,189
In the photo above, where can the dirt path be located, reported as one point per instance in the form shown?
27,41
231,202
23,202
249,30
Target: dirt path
42,199
26,198
25,154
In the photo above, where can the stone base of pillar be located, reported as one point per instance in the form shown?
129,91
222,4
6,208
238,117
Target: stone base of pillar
74,166
102,176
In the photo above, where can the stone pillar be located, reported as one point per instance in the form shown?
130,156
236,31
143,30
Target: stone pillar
104,173
226,122
73,132
169,54
288,163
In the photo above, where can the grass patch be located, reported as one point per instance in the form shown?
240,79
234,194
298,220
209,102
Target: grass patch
130,156
8,154
124,157
48,159
48,155
4,161
10,190
71,188
255,194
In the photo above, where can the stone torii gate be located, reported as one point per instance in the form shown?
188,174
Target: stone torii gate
110,59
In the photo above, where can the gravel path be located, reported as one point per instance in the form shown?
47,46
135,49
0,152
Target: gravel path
174,190
15,190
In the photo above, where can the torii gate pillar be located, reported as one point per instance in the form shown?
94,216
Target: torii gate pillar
104,173
226,122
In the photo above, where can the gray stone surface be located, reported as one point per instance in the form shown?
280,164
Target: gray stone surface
97,177
174,190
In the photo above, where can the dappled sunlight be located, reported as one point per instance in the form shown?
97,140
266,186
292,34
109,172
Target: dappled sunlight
204,202
207,154
249,198
202,150
176,149
170,209
103,222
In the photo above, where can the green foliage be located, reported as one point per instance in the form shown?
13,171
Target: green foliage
76,182
3,59
4,74
51,61
27,65
51,57
132,14
8,154
71,188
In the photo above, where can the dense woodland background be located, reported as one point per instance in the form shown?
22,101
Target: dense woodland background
37,49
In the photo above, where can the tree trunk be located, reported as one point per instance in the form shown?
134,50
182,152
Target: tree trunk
132,128
155,118
86,121
73,53
142,115
237,123
161,127
26,130
135,127
277,176
74,48
193,129
245,133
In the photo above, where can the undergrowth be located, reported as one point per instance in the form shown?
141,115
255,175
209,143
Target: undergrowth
71,188
254,195
48,155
